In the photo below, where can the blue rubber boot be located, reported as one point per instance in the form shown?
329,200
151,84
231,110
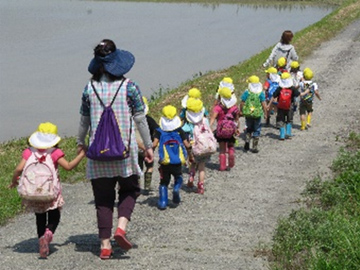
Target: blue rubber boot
288,130
163,197
282,133
176,190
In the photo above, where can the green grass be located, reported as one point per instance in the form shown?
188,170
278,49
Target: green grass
326,234
10,155
10,152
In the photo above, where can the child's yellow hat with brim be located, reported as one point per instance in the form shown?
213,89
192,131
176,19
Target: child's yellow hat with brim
169,121
45,137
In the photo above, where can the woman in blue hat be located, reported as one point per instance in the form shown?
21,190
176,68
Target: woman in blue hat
108,68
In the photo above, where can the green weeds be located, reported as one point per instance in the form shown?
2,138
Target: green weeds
326,234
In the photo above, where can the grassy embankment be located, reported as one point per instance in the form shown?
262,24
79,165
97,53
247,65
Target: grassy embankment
321,31
325,234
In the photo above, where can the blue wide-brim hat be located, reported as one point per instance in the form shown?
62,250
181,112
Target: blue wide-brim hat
116,63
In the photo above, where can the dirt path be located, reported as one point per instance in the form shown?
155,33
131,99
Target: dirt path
239,210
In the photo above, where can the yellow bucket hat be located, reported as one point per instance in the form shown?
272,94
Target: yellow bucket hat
281,62
146,111
225,92
194,93
45,137
308,74
253,79
271,70
194,104
226,82
294,64
285,75
169,121
169,112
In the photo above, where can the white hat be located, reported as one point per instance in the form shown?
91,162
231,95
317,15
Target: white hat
229,102
255,88
195,117
167,124
45,137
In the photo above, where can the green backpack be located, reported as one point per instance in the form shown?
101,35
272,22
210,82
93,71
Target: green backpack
252,107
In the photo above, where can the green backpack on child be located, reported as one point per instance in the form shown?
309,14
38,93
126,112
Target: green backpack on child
252,107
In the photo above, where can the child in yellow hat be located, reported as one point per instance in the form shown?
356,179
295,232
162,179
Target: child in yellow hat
172,142
226,112
253,107
285,94
308,88
270,86
44,149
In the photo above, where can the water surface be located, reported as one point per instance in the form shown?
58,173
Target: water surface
46,47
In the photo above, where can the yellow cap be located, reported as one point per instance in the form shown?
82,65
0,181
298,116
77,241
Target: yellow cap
47,128
194,93
253,79
294,64
271,70
285,75
145,100
169,111
225,92
194,105
227,80
308,74
281,62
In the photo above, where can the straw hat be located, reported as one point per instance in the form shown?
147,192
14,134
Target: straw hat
169,121
45,137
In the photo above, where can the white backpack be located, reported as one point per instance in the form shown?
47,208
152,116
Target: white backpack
39,181
205,143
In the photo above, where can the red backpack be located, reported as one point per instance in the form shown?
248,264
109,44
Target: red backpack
284,100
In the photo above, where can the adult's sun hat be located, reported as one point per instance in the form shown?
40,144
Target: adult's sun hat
281,62
308,74
170,120
45,136
286,80
194,110
116,63
294,64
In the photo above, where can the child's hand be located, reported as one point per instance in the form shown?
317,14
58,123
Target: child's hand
191,158
14,183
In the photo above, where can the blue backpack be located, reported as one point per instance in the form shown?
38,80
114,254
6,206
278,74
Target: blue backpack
272,88
171,148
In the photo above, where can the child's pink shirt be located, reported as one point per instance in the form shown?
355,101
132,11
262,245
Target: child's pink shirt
55,155
221,113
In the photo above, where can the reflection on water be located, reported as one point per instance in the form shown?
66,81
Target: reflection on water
47,45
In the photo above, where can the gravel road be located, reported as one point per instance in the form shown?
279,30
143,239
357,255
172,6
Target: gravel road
236,216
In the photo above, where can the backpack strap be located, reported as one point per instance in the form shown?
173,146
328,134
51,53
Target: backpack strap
112,101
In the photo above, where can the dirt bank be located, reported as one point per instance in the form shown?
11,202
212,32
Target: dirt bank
239,210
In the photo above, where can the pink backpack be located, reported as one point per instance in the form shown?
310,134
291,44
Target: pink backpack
226,128
39,181
204,141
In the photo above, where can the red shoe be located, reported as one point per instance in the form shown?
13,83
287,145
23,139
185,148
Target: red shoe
120,238
200,187
106,254
43,247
